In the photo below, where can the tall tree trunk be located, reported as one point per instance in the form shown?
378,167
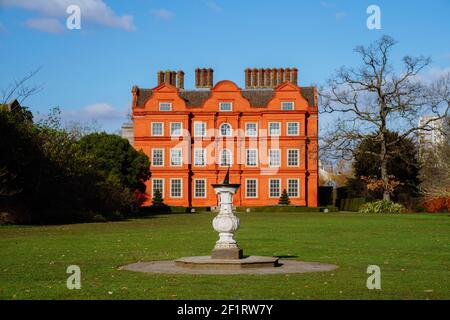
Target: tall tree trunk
384,173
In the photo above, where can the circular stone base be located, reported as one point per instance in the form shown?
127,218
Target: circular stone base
174,267
208,262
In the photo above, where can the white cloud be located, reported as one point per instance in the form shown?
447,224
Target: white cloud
327,4
433,74
163,14
213,6
95,11
49,25
100,111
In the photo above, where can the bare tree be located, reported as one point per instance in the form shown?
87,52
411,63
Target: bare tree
19,89
374,99
435,171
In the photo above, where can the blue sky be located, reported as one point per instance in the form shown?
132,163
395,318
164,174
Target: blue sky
89,73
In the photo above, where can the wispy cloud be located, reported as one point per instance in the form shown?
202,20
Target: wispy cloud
326,4
100,112
433,74
48,25
213,6
93,11
163,14
340,15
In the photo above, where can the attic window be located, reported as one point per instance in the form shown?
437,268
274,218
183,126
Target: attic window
165,106
287,105
225,106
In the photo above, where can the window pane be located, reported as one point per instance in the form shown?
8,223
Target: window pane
274,129
175,129
274,188
165,106
225,158
199,129
251,129
225,106
175,188
252,157
157,157
225,130
293,157
274,158
157,129
158,185
200,188
199,157
292,128
292,188
175,157
251,188
287,105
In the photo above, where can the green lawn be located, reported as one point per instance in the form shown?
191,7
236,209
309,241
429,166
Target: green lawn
412,251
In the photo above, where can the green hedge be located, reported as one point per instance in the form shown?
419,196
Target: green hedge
279,208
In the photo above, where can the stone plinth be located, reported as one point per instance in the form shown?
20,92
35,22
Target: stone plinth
209,262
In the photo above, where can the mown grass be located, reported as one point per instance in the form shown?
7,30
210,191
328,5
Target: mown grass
411,250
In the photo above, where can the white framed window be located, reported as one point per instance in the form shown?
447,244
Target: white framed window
225,106
287,105
225,158
251,157
274,157
251,188
158,184
165,106
176,187
274,128
199,129
199,157
176,157
157,129
199,188
158,157
225,130
274,188
292,129
176,129
292,157
251,129
293,188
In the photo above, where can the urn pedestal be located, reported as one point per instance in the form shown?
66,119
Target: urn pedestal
226,224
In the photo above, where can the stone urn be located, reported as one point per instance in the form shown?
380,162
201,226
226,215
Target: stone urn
226,223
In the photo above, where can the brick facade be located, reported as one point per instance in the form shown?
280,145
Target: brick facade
162,113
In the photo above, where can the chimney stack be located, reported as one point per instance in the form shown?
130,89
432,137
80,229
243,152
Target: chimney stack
173,78
180,83
204,78
269,77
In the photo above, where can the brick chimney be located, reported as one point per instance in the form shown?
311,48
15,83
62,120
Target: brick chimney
180,80
294,75
247,78
204,78
173,78
269,77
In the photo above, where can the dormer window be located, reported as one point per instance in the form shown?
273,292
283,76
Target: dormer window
165,106
225,106
287,105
